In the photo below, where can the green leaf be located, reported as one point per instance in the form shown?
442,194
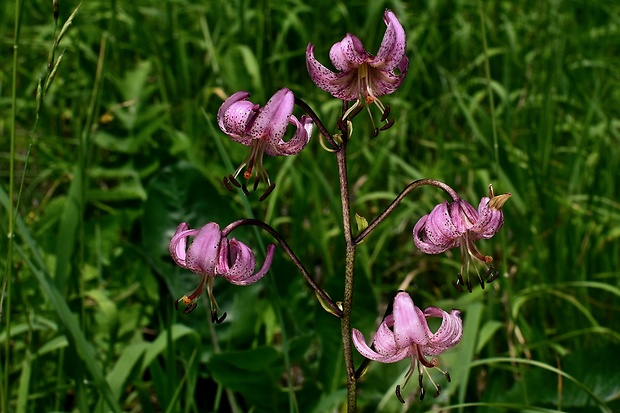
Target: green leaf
254,373
362,223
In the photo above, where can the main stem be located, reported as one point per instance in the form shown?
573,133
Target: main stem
345,321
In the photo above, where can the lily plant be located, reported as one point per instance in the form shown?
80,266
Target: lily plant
361,78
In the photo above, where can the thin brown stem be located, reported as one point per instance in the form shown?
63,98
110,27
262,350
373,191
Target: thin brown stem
415,184
287,249
345,321
317,121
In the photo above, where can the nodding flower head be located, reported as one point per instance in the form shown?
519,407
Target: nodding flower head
405,333
210,254
262,129
458,224
362,77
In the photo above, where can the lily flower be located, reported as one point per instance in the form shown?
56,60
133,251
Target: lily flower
262,129
405,333
362,77
459,225
209,255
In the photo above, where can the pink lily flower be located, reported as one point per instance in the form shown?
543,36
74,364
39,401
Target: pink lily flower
262,129
363,77
405,333
458,224
210,255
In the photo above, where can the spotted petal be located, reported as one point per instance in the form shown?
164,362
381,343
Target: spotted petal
203,253
303,131
348,54
391,53
237,262
234,116
341,85
273,119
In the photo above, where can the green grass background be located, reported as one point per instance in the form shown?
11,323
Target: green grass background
125,145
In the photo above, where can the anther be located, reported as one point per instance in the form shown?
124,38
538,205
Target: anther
244,188
447,374
421,380
422,393
268,191
215,319
469,285
400,398
186,300
375,133
386,113
492,276
227,184
388,125
355,111
256,182
191,307
481,283
457,286
437,392
234,181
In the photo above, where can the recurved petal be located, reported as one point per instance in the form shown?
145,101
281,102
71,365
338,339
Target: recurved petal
178,243
393,45
234,114
449,332
386,82
303,130
203,253
348,54
272,120
440,227
237,262
410,325
490,219
340,85
366,351
422,242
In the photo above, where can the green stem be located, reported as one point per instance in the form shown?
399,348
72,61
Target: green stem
6,284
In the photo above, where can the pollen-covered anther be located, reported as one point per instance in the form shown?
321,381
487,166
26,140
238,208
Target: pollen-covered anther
458,283
268,191
398,395
387,125
190,304
492,275
234,181
244,188
438,392
457,286
386,113
227,184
